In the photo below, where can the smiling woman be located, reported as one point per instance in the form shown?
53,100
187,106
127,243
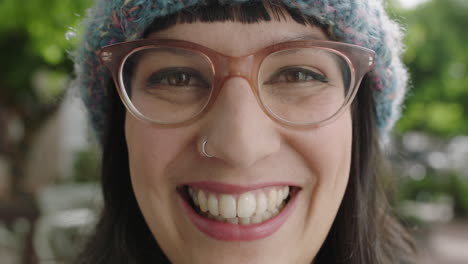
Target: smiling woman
242,131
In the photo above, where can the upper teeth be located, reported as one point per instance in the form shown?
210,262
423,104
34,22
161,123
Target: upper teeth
254,204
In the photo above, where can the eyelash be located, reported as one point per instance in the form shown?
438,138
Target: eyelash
158,77
315,76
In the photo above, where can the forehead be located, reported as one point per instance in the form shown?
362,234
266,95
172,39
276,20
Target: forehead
237,39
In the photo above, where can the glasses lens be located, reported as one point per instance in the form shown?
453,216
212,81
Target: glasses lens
167,85
304,85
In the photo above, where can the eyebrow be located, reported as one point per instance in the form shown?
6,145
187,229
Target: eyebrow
177,51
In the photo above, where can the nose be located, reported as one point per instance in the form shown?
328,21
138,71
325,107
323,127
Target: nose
238,131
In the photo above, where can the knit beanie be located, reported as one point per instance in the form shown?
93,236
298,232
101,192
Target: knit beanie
361,22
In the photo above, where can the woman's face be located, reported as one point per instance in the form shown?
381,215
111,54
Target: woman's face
255,160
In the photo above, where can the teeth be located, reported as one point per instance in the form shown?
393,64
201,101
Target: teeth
275,212
233,220
194,197
246,205
249,208
279,197
202,201
227,206
213,205
282,195
285,192
262,204
244,220
271,199
256,219
267,215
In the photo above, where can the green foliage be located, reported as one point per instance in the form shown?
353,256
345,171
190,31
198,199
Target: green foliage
86,166
32,37
45,23
437,58
35,68
434,186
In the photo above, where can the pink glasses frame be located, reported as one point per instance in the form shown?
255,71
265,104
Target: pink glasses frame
359,59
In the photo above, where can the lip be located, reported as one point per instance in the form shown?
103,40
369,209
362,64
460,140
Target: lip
235,232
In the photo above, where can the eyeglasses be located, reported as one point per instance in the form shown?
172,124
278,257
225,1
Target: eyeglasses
297,83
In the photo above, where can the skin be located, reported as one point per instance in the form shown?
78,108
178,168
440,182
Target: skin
249,148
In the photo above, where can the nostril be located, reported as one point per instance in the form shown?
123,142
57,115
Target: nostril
241,150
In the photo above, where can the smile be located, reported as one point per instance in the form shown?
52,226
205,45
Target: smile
227,212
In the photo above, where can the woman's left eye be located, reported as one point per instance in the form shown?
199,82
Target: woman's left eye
294,75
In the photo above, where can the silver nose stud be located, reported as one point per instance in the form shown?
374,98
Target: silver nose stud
203,150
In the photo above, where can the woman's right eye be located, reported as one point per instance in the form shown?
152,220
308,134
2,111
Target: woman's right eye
173,79
176,78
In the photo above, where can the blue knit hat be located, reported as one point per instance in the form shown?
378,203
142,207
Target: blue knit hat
360,22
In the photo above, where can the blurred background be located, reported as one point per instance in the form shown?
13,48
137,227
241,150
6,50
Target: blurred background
49,160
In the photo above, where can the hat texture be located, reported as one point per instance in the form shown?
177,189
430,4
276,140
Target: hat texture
360,22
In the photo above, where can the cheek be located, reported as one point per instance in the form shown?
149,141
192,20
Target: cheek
146,158
327,149
327,153
152,154
147,164
152,150
333,161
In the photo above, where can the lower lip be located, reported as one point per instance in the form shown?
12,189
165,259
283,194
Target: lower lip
235,232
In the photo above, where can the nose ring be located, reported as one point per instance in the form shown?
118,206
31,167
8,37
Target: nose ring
203,151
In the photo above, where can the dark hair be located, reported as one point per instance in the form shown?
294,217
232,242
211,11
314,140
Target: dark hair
364,230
